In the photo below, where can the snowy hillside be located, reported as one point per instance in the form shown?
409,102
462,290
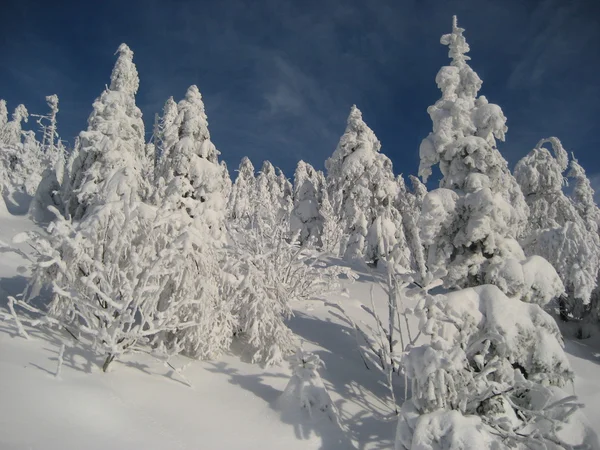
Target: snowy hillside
143,403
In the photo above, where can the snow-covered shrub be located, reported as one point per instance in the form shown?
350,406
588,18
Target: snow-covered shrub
305,388
275,270
127,276
492,372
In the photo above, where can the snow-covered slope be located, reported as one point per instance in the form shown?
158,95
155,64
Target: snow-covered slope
225,404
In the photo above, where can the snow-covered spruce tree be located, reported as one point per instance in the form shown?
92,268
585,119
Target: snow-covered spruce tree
242,199
332,232
166,135
489,212
583,196
419,191
193,178
113,142
286,193
305,218
361,185
273,194
490,377
409,205
557,230
227,183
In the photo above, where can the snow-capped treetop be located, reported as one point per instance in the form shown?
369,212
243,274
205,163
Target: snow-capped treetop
243,193
583,196
112,145
561,229
194,177
360,182
539,171
541,178
227,183
305,217
193,126
461,119
124,77
419,190
356,149
457,44
246,168
166,131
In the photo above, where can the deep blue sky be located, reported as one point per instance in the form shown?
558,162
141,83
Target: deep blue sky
279,76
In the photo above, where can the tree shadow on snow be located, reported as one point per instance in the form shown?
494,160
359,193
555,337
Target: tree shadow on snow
17,203
365,405
332,438
75,356
11,286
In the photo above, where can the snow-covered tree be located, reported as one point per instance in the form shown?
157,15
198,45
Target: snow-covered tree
273,194
20,155
557,230
361,185
305,218
114,142
419,191
48,192
541,177
166,135
409,206
28,171
490,211
227,183
286,195
331,234
193,178
243,193
12,130
583,196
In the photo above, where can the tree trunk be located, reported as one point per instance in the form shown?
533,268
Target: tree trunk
107,362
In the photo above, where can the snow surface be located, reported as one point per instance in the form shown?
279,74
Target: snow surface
231,404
